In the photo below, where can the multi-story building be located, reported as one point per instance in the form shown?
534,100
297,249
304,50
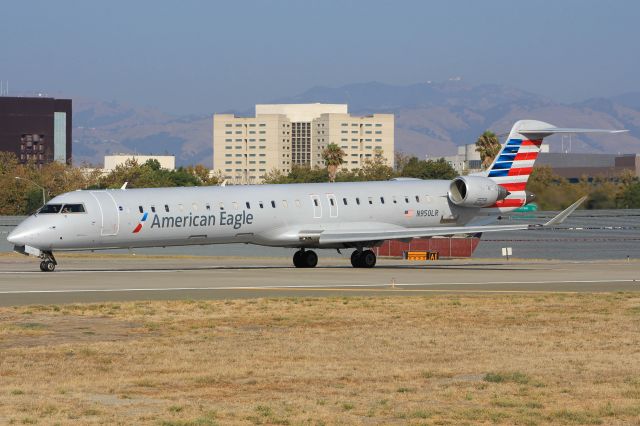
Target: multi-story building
36,130
281,135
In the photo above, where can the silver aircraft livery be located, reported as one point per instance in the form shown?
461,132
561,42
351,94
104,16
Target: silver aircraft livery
357,215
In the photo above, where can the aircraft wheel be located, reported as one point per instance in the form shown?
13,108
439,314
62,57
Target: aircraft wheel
367,259
50,266
297,259
356,258
309,259
43,266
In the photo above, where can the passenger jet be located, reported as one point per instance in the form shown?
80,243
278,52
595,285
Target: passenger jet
356,215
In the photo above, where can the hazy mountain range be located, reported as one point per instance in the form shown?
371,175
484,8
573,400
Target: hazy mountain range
431,119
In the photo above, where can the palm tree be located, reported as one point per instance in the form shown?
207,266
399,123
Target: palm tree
333,156
488,146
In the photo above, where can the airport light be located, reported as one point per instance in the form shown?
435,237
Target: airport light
44,199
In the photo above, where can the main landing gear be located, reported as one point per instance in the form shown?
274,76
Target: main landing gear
48,263
305,259
359,259
363,259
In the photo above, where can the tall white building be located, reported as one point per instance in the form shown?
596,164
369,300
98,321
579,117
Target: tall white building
280,135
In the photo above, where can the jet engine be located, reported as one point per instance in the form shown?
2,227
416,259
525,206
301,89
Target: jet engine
475,191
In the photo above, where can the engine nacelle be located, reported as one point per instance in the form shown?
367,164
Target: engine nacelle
475,191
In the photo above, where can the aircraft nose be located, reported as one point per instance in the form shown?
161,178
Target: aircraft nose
17,237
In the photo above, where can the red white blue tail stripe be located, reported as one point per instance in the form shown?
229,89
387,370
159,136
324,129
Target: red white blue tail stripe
512,167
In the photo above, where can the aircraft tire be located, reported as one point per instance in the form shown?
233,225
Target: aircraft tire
297,259
356,258
43,266
367,259
50,266
309,259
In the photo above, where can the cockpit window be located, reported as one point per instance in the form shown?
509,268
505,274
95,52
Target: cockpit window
73,208
50,208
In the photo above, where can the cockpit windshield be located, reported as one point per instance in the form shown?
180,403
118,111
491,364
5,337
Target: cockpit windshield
62,208
50,208
73,208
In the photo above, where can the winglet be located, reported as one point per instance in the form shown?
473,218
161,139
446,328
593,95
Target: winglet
123,187
560,217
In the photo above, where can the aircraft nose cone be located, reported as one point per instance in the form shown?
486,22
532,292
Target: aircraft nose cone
16,237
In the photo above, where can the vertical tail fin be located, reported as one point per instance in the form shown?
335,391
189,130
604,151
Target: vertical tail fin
513,165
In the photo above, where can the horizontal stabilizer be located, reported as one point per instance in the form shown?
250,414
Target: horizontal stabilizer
560,217
552,130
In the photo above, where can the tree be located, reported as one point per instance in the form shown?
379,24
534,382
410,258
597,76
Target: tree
429,169
298,174
488,146
375,168
401,160
630,197
333,157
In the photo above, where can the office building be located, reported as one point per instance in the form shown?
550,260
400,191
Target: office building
281,135
36,130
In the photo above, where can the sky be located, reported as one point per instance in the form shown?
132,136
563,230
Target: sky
197,57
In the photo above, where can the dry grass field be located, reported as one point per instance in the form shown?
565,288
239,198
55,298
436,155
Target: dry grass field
442,359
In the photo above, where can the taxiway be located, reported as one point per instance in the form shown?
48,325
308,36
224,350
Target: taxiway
95,278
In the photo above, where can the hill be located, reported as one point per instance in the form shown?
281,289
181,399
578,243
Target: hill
431,119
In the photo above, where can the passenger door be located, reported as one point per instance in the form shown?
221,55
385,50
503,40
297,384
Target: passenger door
109,213
317,206
333,205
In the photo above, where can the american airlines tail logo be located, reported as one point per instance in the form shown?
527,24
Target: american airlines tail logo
142,220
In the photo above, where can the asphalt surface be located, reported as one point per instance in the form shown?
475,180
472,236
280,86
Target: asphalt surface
96,278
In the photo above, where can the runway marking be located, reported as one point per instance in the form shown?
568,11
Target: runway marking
339,286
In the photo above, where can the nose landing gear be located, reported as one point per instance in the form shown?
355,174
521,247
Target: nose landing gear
305,259
48,263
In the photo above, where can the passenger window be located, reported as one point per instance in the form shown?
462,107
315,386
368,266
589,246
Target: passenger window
298,203
394,200
141,209
153,209
248,205
235,205
357,201
382,200
180,207
261,205
194,206
285,204
315,202
221,205
344,201
417,199
166,208
331,201
406,199
207,206
273,204
370,200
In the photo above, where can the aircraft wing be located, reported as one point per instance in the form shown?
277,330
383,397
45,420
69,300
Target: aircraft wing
333,237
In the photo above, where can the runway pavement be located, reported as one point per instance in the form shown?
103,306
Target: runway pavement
96,277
